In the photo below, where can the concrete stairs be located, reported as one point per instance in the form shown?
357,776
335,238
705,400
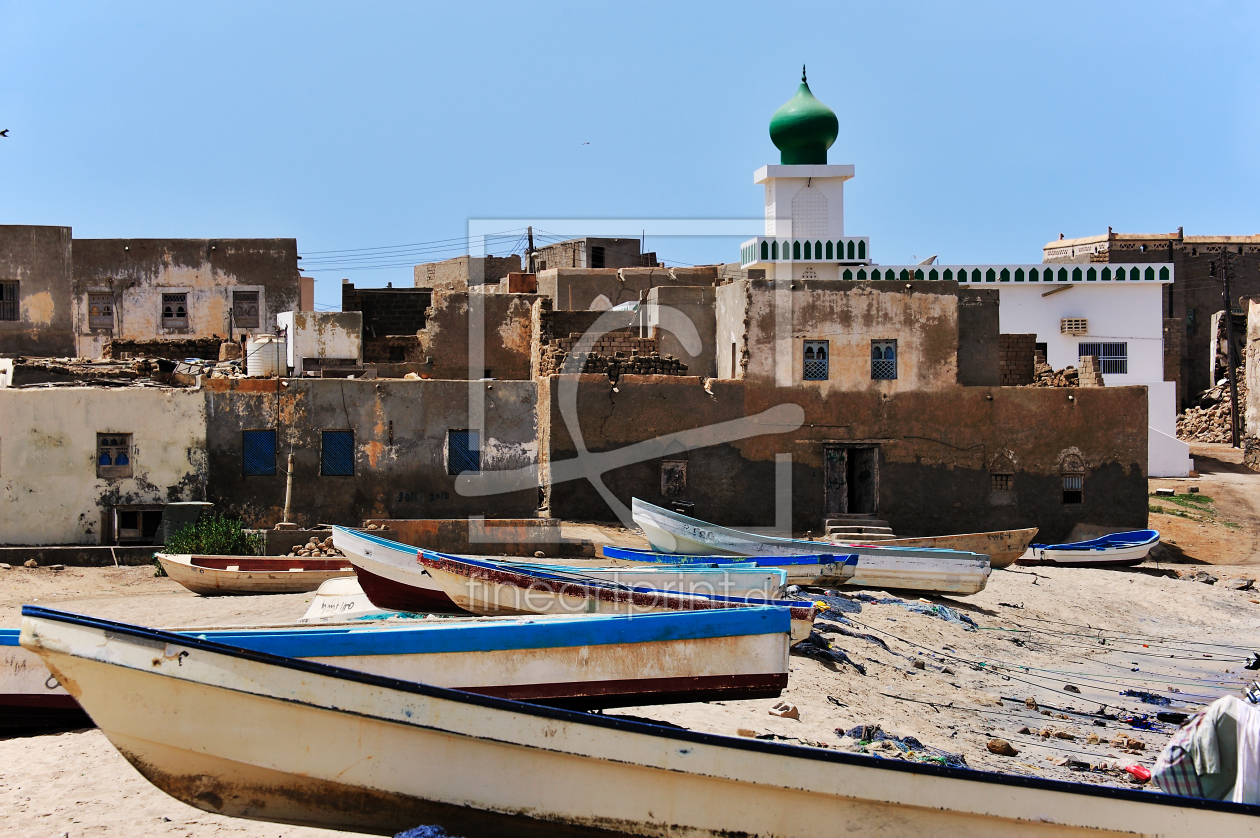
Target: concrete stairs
862,528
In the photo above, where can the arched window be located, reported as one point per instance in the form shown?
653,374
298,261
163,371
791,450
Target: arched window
104,460
1150,273
1019,274
818,250
848,274
861,249
990,275
829,251
1091,275
765,251
1076,274
774,251
883,360
796,250
1073,473
1005,276
949,274
851,248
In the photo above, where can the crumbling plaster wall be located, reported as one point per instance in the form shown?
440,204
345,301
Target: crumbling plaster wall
39,258
506,322
322,334
936,451
137,272
400,438
49,491
921,316
582,289
455,275
1251,444
697,305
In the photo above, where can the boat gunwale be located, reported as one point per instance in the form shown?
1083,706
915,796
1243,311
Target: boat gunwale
611,591
610,723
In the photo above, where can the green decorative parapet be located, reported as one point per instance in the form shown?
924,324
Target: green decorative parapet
978,274
849,249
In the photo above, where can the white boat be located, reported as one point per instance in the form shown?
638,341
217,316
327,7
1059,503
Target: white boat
392,578
29,696
1003,547
218,575
909,568
252,735
341,600
1115,549
493,588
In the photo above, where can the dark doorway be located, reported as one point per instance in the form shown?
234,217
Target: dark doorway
849,479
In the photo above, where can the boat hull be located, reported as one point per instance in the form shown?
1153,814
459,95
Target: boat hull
1003,547
30,697
217,732
1096,553
259,575
390,576
491,589
898,568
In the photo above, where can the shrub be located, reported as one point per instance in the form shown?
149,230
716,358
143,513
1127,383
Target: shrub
215,535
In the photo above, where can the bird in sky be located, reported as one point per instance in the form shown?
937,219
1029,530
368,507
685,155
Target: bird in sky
4,133
586,143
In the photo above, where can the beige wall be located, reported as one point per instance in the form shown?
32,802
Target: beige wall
922,318
49,491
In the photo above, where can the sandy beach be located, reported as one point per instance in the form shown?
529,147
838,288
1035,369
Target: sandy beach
1047,651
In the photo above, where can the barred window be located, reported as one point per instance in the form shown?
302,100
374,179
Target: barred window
174,311
816,366
1113,358
883,360
245,309
100,311
8,300
1000,482
1073,488
113,455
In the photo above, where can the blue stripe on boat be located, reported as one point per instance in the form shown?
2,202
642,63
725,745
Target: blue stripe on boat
1114,541
634,555
384,542
525,633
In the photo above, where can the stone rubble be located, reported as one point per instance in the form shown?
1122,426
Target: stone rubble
1209,421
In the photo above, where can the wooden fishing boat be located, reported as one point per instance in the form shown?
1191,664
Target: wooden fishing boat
1003,547
392,578
219,575
253,735
493,588
389,575
909,568
1116,549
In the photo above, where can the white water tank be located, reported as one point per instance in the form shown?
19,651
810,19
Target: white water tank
266,356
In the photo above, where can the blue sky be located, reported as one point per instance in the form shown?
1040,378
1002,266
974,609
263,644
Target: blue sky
979,131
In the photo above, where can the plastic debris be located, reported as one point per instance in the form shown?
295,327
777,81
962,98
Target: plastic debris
905,747
1148,698
818,647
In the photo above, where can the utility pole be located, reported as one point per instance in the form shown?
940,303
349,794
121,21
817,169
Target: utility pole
1229,349
529,253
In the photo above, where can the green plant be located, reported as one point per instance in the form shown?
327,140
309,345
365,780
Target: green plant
158,570
215,535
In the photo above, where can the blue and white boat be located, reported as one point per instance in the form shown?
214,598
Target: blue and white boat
905,568
580,660
1119,548
817,569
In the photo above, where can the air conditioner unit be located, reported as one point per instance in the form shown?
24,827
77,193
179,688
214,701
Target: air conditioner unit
1074,325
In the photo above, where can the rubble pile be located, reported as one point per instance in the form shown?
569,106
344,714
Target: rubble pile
1045,375
316,549
1209,421
172,349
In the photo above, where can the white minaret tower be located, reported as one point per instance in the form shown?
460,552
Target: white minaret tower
805,236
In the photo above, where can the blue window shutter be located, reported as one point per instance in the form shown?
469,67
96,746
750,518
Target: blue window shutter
337,454
259,448
463,452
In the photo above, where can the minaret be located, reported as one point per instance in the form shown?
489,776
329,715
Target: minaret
804,198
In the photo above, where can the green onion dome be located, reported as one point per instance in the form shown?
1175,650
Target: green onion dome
804,128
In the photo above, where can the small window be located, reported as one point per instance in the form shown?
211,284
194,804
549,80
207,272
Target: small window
259,452
463,452
1113,358
8,300
816,360
113,455
597,257
883,360
673,478
100,311
337,454
1001,482
245,309
1073,488
174,311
